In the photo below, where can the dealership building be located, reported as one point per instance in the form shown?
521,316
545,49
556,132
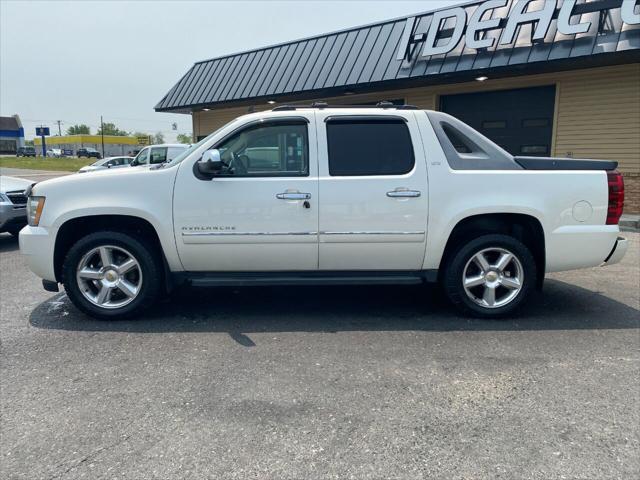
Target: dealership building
11,134
539,77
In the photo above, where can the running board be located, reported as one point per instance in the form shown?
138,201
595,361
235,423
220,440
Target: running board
236,279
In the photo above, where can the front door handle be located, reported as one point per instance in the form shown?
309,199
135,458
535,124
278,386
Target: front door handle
293,196
402,193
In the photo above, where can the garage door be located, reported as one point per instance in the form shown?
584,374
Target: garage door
520,121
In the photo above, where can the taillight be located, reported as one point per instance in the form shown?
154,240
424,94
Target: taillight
616,197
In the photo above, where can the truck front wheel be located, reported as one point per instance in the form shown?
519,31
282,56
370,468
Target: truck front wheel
111,275
490,276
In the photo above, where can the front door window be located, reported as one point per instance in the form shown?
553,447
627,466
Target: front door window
279,150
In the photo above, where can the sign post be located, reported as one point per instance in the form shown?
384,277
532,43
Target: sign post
43,132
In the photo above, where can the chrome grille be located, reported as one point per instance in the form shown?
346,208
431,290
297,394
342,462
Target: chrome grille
17,197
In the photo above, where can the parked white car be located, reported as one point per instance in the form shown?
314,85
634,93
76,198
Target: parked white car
327,195
54,152
105,163
157,154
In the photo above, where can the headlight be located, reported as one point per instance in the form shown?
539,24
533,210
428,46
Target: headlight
4,198
34,210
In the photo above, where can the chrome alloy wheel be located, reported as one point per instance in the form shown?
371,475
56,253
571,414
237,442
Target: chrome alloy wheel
493,277
109,276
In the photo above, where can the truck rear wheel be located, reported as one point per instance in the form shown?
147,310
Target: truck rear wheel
112,275
490,276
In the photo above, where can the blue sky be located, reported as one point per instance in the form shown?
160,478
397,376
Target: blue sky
75,60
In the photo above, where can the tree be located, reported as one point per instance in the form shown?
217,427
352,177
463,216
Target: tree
29,143
184,138
111,129
158,138
81,129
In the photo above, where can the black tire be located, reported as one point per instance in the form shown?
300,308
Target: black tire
452,279
149,260
15,231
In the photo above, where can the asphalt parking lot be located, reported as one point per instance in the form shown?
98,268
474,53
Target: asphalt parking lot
33,175
340,382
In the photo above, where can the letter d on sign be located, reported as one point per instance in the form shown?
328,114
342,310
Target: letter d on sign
429,45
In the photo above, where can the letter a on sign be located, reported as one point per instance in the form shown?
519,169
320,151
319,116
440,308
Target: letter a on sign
519,15
429,45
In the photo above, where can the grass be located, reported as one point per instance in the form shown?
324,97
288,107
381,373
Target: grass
69,164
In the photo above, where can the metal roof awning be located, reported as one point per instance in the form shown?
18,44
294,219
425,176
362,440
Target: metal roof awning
504,37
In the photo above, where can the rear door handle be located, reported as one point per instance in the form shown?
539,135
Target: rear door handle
293,196
401,193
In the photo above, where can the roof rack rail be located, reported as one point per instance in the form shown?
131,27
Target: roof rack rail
321,105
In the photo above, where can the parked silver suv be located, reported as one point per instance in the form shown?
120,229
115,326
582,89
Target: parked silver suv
13,204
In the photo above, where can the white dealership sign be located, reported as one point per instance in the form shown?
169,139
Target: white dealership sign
474,27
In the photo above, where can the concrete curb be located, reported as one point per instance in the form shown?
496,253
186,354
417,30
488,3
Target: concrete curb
630,223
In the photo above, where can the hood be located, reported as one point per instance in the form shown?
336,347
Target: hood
91,168
99,178
9,184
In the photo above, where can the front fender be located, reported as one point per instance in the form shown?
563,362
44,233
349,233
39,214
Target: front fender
144,194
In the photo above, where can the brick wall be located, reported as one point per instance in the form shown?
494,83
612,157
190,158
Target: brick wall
632,193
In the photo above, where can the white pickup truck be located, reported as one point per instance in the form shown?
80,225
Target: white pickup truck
316,195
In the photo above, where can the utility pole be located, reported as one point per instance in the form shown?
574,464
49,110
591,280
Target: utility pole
102,132
59,131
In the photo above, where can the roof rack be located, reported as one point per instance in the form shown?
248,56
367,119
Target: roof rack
321,105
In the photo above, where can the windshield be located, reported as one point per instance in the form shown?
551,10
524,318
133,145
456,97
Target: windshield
141,158
98,163
195,146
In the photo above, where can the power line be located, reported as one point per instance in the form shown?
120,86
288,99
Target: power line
94,125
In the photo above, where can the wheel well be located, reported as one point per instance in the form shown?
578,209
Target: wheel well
73,230
525,228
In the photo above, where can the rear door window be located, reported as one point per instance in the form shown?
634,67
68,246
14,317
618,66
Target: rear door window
369,146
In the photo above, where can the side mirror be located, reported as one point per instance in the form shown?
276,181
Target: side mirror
210,163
